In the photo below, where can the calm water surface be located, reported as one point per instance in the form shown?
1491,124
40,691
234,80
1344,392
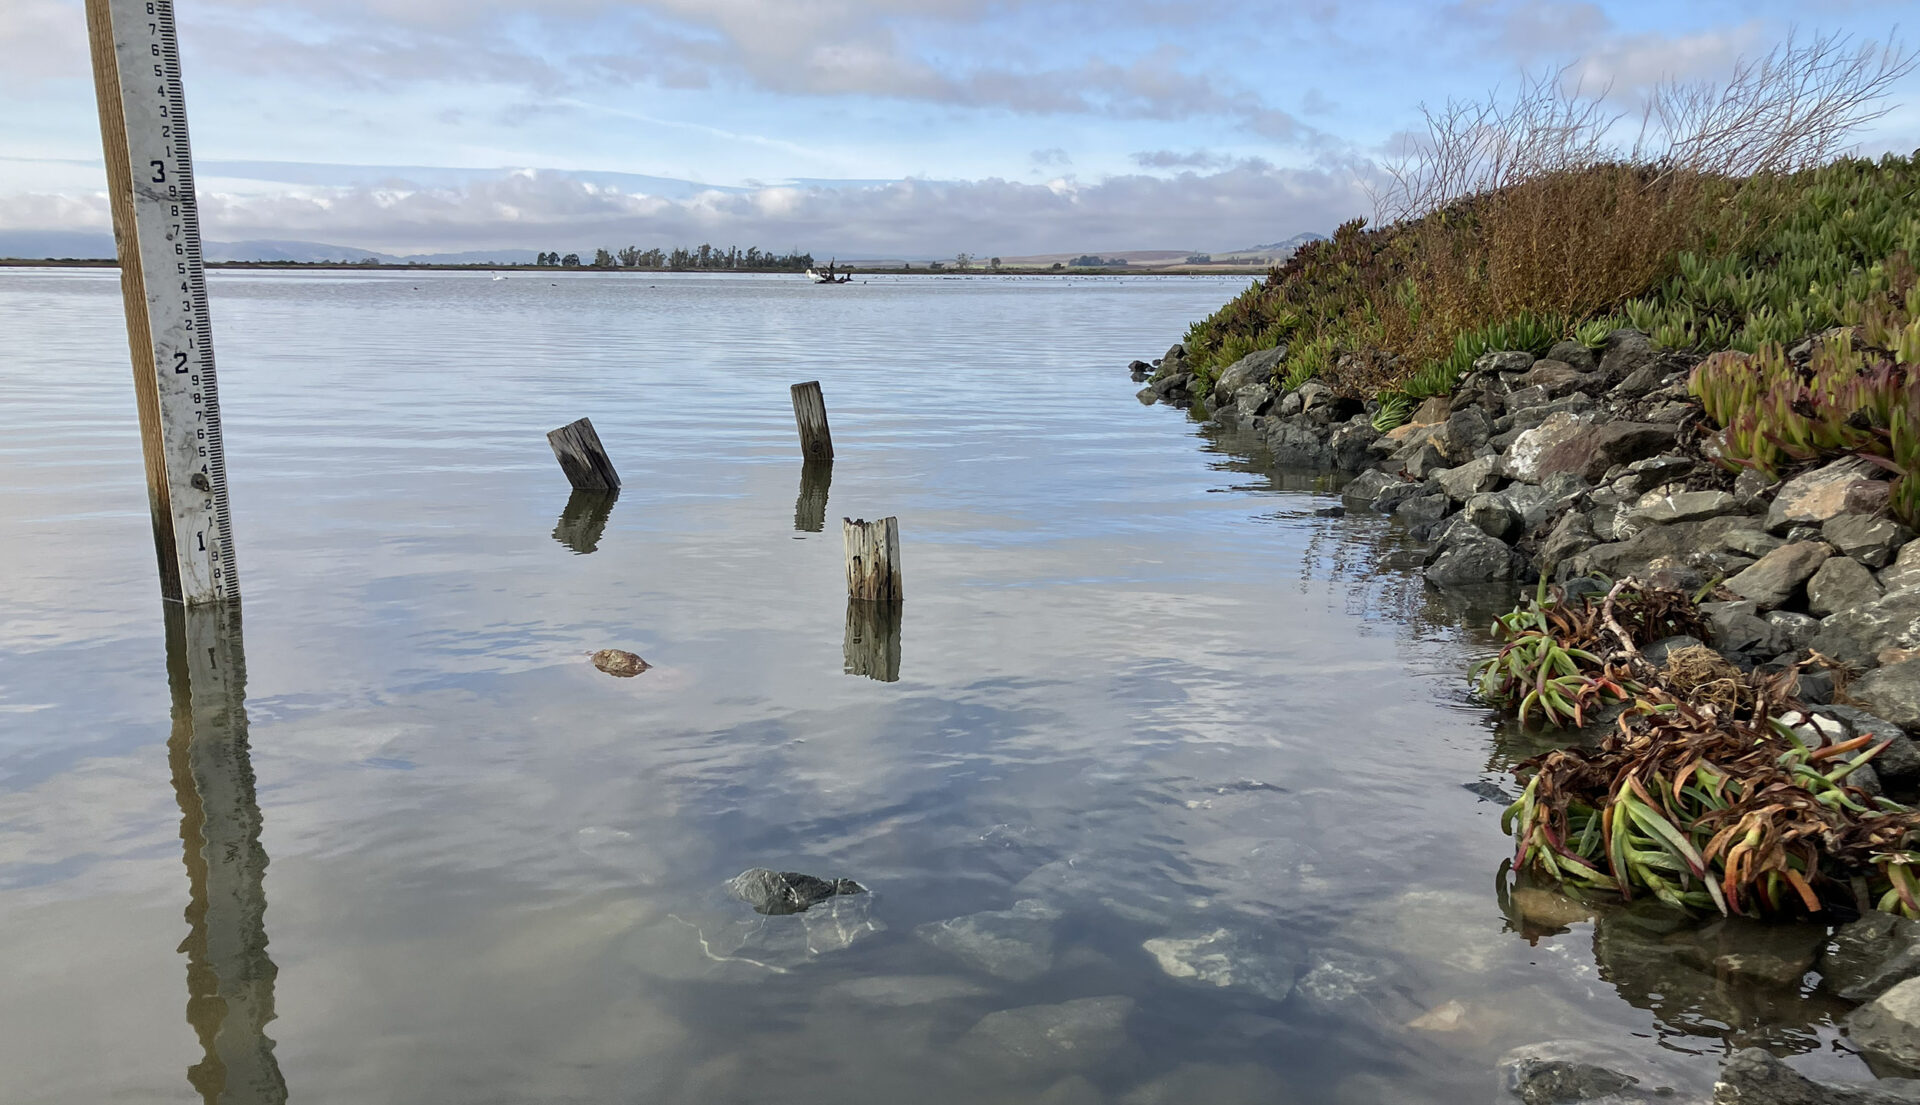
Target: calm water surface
1144,715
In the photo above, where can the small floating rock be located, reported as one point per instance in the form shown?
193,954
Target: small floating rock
619,663
777,893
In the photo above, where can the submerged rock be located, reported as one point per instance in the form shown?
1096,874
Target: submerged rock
1567,1071
1015,944
1225,959
618,662
1042,1039
778,893
1754,1077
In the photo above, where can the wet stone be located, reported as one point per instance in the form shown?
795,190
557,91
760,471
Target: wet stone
1868,957
1888,1028
619,663
1755,1077
1045,1039
1015,944
777,893
1225,958
1561,1072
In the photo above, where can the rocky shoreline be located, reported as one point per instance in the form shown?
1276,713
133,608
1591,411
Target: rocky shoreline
1589,464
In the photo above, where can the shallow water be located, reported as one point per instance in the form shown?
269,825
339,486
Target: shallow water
1144,706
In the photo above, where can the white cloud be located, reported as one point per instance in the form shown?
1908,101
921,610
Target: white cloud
543,210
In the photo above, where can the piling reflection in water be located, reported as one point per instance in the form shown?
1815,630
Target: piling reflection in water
810,509
584,520
229,975
873,640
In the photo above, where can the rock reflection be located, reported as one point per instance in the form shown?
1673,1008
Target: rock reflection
873,640
1732,979
810,509
584,520
229,975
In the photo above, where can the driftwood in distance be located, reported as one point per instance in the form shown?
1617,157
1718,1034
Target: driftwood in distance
810,415
873,559
583,458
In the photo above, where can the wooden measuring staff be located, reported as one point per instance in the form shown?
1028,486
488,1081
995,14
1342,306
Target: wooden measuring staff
156,222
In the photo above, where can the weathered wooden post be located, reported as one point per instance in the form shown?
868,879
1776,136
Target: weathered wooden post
810,509
810,414
872,646
584,520
873,559
156,224
583,458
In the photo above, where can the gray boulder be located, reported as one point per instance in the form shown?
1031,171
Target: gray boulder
1888,1028
1508,362
1467,556
1254,368
1859,634
1818,495
1795,631
1899,764
1870,540
1840,584
1558,378
1755,1077
1626,352
1684,506
1364,488
1490,515
1571,535
1750,542
1868,957
1470,479
1574,353
1422,509
1905,569
1891,692
1682,542
1349,444
1523,457
1591,453
1777,577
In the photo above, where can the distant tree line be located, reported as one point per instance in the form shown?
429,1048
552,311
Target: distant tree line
704,258
1092,261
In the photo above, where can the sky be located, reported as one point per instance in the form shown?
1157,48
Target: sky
871,128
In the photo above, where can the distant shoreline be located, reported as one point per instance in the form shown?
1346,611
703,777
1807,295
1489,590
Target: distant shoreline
353,266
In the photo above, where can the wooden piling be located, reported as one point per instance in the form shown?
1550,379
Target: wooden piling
583,458
810,414
810,509
584,520
873,640
873,559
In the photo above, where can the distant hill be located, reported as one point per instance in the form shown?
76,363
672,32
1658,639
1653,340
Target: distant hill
1272,251
97,245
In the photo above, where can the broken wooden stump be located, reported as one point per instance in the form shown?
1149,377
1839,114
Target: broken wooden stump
810,509
873,559
583,458
873,640
810,414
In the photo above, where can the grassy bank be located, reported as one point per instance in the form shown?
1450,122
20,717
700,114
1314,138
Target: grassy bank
1726,224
